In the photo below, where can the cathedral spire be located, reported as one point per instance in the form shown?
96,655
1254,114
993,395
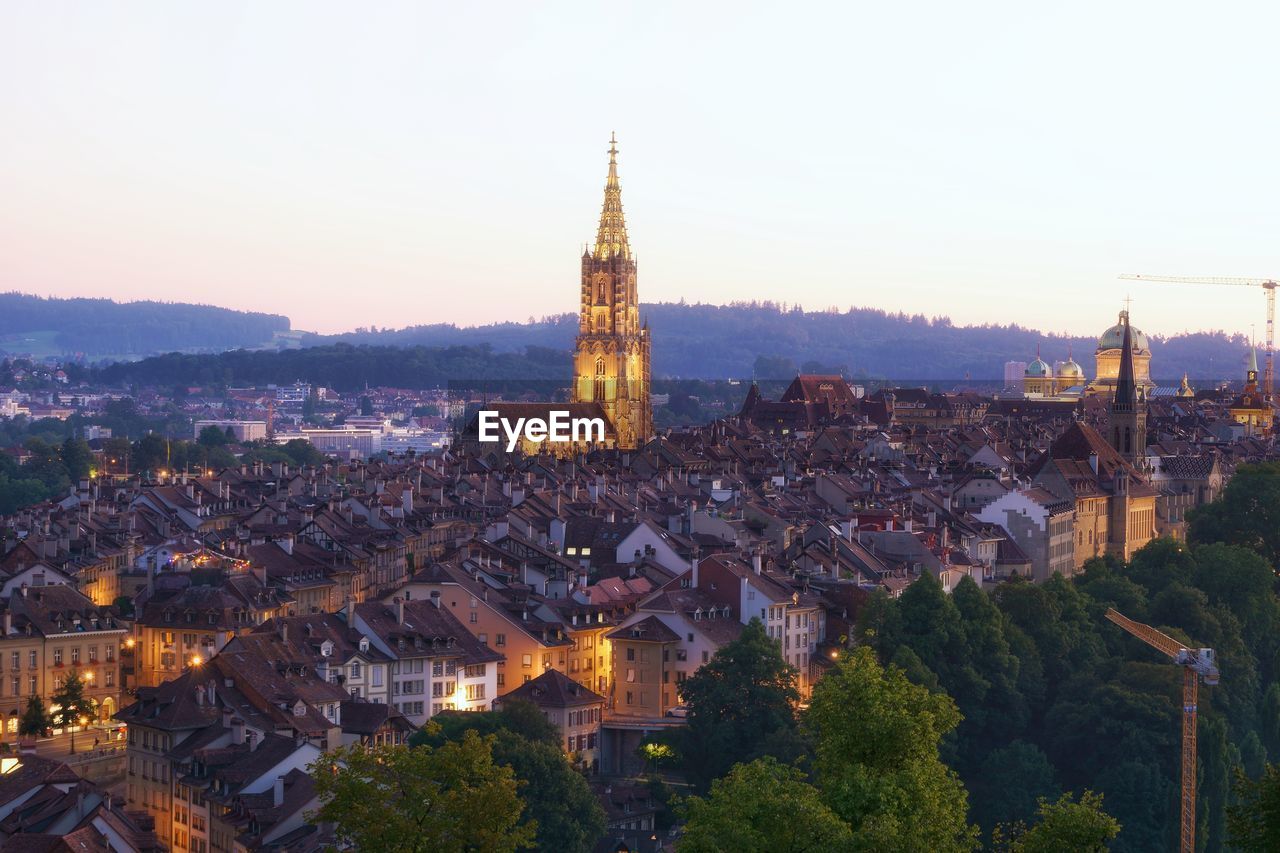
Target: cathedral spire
611,238
1128,416
1126,397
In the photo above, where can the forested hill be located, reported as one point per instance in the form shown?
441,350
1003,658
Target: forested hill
733,341
42,326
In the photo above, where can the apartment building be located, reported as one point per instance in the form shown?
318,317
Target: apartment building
49,633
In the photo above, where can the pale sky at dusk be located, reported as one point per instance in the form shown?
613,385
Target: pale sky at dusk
397,163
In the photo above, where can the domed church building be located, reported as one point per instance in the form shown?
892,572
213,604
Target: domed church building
1068,376
1037,379
1110,344
1066,379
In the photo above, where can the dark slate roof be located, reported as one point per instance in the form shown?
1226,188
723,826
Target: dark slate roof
650,629
365,718
554,689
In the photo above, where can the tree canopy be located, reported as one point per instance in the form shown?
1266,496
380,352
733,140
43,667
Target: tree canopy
740,702
559,804
877,764
763,806
400,799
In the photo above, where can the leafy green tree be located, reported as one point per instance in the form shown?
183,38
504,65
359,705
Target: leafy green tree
35,720
115,454
738,702
400,799
996,710
558,800
763,806
1080,827
18,493
1214,790
1247,512
1010,783
302,452
73,708
1143,795
1253,820
882,774
513,715
560,805
8,465
1269,727
309,406
212,436
150,452
77,457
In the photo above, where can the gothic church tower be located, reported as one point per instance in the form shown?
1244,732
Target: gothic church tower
1128,414
611,358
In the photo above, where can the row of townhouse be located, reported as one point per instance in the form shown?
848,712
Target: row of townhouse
48,633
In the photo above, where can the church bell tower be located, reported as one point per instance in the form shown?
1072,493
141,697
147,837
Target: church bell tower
1127,418
611,358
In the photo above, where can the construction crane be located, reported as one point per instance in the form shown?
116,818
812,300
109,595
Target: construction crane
1269,288
1196,664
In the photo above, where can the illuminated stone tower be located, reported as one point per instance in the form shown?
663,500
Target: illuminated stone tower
611,360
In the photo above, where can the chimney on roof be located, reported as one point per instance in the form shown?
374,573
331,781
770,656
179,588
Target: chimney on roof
277,798
757,559
399,610
284,631
237,730
435,598
695,555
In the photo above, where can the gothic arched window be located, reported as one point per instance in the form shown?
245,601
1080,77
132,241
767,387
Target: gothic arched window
599,394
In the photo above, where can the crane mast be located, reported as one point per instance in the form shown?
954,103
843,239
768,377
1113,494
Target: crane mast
1268,287
1196,664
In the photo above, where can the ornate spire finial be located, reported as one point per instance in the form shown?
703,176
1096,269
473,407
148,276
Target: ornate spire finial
611,238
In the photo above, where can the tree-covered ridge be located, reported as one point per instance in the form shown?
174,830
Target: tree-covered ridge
50,326
724,341
345,367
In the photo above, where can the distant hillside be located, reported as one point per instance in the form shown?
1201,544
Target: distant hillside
348,368
102,327
710,341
